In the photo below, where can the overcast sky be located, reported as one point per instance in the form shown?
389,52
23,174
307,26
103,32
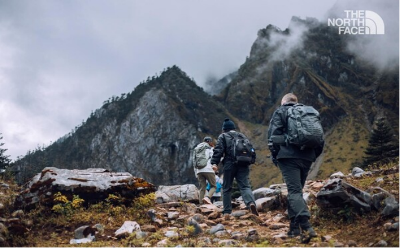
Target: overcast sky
59,60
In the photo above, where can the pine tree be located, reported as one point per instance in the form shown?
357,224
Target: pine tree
4,160
383,146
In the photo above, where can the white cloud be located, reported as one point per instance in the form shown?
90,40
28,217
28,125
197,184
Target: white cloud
61,59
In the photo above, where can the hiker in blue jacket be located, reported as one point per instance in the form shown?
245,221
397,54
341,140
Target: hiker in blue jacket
294,164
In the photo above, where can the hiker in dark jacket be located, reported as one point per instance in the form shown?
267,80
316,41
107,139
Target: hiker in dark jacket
294,164
231,171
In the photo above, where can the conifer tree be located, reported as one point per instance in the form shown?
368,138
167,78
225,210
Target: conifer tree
383,146
4,160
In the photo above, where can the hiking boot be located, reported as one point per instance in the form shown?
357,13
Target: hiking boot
207,200
227,216
253,208
307,232
294,229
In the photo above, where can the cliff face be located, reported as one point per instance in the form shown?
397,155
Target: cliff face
150,133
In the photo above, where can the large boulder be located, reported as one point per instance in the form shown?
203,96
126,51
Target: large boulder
92,185
336,194
186,192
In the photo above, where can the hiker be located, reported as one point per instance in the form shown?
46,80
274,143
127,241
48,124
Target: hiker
232,169
203,169
294,163
217,194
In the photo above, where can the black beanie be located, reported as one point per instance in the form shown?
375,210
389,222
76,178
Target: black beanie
228,125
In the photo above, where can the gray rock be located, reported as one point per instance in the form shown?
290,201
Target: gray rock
127,228
337,175
173,215
92,185
197,228
239,213
252,235
357,172
266,204
17,214
391,207
381,243
221,233
352,243
217,228
83,232
170,234
265,192
88,239
227,242
187,192
336,194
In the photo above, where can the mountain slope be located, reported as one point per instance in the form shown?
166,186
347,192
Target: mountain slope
149,133
311,60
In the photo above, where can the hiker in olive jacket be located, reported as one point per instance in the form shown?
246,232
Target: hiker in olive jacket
231,170
294,164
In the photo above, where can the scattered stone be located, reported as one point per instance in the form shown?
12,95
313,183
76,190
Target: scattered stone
162,243
338,244
170,234
357,172
189,208
387,226
237,235
264,192
173,215
198,217
227,242
217,228
239,213
148,228
266,204
395,227
379,180
326,238
221,233
83,232
278,218
3,230
252,235
153,216
381,243
338,174
280,236
146,245
214,215
197,228
17,214
88,239
127,228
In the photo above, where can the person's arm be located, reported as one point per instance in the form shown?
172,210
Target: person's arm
218,151
276,128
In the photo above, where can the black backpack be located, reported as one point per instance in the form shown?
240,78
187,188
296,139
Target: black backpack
242,150
304,127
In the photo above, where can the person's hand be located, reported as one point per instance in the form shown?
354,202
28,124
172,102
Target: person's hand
275,161
214,167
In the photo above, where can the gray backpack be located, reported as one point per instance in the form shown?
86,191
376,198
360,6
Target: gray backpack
200,155
304,127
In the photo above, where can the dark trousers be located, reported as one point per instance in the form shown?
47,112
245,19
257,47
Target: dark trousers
294,172
241,174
